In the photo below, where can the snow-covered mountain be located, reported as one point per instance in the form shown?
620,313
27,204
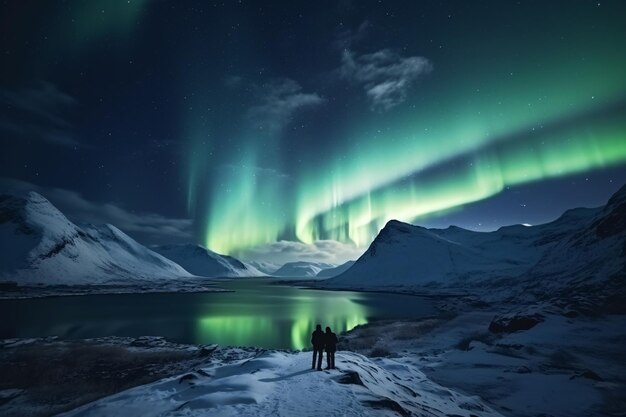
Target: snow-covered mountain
333,272
581,248
301,269
266,267
38,244
202,262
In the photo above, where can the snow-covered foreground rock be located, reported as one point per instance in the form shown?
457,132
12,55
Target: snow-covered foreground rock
205,263
39,245
561,366
274,383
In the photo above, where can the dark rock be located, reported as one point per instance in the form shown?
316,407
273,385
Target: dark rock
350,377
523,370
379,352
7,395
387,404
616,303
514,323
187,377
148,341
515,346
589,375
207,350
614,221
8,286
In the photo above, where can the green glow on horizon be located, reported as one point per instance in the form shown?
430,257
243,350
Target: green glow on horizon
245,214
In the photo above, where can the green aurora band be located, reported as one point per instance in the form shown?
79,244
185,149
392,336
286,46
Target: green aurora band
465,138
353,200
578,147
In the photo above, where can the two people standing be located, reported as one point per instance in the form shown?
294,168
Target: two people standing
321,341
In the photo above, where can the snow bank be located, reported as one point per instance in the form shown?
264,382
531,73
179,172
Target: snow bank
282,384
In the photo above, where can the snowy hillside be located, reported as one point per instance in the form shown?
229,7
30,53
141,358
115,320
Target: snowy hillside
273,383
583,246
38,244
591,256
332,272
266,267
301,269
202,262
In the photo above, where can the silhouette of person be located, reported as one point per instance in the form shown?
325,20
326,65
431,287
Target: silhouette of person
317,339
330,341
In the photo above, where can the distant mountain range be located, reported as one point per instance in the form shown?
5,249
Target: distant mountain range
583,250
265,267
301,269
39,245
201,261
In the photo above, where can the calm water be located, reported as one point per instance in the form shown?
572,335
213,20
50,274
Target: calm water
256,314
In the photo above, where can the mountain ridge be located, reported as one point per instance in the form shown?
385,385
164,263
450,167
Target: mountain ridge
203,262
39,245
582,248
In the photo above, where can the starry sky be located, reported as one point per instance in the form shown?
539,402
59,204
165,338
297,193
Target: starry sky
295,130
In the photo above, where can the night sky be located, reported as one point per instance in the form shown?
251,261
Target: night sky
296,130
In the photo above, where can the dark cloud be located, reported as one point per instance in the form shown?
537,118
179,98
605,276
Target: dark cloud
38,112
385,75
278,101
147,227
346,38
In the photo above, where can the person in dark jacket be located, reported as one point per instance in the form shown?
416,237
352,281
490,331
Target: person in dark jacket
330,341
317,339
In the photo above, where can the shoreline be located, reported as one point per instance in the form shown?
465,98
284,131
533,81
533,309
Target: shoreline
457,351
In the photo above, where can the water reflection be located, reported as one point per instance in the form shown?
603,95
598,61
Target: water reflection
286,322
237,330
337,311
257,313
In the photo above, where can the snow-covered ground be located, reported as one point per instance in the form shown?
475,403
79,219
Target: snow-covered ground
563,366
537,360
275,383
449,365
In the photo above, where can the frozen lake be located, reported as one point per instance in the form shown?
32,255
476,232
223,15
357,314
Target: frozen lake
256,313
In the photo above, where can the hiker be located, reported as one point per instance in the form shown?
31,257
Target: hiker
330,341
318,339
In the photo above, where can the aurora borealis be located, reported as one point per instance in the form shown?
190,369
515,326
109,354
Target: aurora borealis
250,123
454,139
